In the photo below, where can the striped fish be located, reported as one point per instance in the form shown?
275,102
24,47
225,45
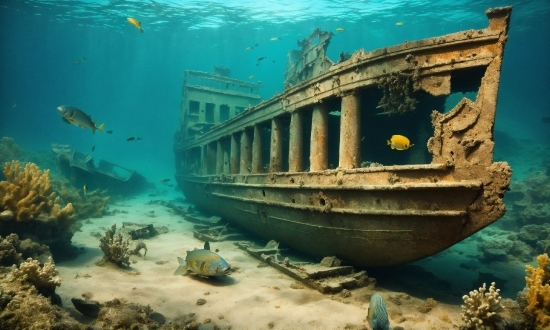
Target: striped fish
378,314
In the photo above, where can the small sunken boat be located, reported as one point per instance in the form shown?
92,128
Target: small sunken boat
80,169
311,167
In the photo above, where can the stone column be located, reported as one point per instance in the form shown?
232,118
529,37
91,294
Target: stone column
318,155
234,161
276,149
257,150
204,163
350,132
296,142
246,152
210,159
219,157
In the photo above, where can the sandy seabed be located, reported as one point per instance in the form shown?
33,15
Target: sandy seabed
252,297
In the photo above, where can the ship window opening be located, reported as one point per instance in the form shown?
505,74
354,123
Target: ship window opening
209,115
293,200
194,107
224,112
378,127
291,180
322,201
464,83
263,192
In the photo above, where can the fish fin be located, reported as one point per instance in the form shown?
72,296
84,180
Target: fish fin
389,143
140,30
206,245
181,270
101,127
411,145
66,120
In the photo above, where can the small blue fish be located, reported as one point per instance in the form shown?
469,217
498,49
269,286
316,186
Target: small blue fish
203,262
378,314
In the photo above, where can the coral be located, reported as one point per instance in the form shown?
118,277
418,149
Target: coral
481,308
115,247
8,250
538,292
428,305
43,278
93,205
9,150
28,194
398,90
529,203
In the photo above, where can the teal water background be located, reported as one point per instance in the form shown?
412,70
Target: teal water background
133,82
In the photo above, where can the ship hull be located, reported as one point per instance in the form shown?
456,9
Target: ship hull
285,170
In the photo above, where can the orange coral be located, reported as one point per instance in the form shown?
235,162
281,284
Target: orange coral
28,194
538,292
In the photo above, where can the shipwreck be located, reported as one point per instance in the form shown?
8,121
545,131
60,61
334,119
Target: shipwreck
310,167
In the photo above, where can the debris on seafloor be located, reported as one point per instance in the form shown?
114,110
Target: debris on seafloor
328,276
214,233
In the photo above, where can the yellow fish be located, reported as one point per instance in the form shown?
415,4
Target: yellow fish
135,23
275,39
251,77
399,23
399,142
85,189
340,30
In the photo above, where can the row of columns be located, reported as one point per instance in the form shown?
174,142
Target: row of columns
244,154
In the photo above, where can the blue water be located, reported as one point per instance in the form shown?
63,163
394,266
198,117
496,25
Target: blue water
132,82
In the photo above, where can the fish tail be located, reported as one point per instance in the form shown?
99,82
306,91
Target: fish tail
388,142
101,127
140,30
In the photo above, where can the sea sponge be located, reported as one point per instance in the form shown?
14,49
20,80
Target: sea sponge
44,278
92,206
9,149
115,247
538,292
481,308
28,194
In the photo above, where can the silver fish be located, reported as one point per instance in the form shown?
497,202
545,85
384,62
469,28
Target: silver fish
203,262
378,314
75,116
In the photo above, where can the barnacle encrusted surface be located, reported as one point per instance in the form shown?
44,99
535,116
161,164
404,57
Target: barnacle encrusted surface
115,247
481,308
538,292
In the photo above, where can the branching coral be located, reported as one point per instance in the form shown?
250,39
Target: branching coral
115,247
538,292
481,308
28,194
43,278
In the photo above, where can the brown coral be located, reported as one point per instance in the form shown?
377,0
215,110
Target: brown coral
43,278
28,194
115,247
538,292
